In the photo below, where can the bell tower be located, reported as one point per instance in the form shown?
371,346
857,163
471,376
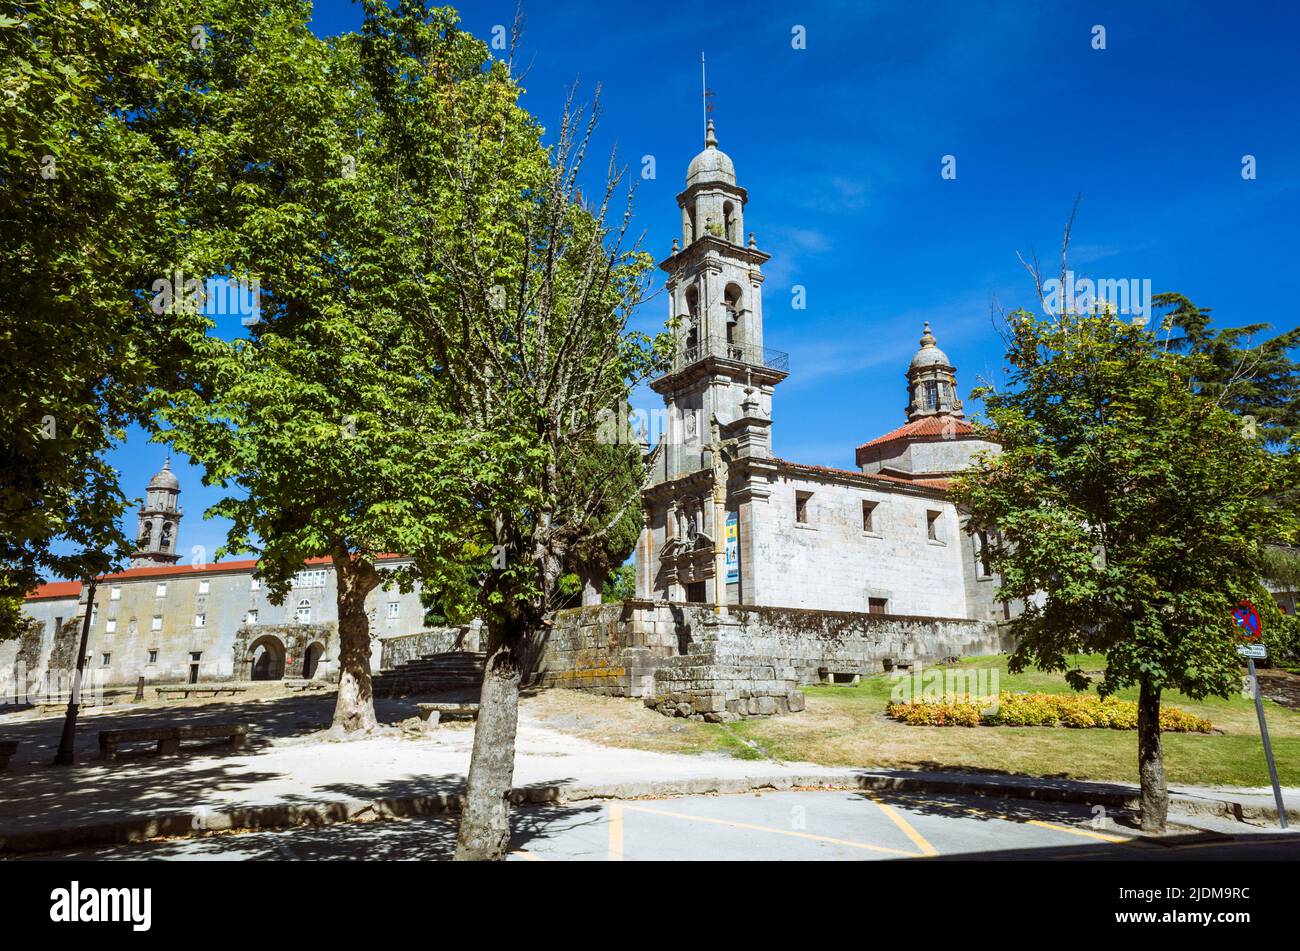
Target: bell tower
160,520
721,373
931,382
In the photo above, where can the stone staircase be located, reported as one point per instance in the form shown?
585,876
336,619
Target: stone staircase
459,672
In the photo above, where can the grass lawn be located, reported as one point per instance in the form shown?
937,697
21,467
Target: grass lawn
846,726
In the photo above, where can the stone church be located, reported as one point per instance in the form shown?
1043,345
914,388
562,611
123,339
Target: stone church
755,574
728,523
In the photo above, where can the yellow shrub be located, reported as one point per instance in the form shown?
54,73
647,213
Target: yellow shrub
1081,711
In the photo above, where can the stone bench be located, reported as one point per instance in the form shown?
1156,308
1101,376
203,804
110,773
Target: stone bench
432,713
7,749
211,690
168,739
54,706
302,685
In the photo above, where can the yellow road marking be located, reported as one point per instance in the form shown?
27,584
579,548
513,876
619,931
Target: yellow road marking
917,839
756,828
1083,832
615,832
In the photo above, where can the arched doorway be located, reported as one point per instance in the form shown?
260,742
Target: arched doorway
266,658
311,658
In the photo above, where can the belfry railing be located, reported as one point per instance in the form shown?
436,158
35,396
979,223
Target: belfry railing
724,349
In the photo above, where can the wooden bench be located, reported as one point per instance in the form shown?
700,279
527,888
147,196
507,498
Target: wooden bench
7,749
432,713
211,690
168,739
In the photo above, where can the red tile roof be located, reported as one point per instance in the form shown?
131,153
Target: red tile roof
56,589
943,426
72,589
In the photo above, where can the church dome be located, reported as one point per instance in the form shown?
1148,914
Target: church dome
165,478
711,165
929,355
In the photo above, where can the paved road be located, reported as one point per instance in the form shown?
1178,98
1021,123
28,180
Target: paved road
770,826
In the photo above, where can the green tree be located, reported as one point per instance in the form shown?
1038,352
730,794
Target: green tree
324,419
523,297
90,216
1238,368
1134,515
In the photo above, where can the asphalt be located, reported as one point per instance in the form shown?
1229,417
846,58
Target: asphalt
805,825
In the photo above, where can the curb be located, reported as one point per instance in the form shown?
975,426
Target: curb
284,816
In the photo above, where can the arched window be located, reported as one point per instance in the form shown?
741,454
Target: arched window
304,611
729,221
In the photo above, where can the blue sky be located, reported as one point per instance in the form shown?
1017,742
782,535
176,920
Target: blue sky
840,146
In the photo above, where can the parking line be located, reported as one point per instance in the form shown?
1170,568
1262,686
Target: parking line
917,839
615,832
1083,832
756,828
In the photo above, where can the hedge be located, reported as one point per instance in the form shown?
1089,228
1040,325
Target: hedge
1041,709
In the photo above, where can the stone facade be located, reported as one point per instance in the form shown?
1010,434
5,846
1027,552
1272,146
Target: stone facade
173,623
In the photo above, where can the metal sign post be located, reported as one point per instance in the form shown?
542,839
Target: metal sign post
1247,618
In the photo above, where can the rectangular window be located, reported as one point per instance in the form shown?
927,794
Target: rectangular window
115,593
801,507
104,661
392,609
160,591
157,623
196,656
153,657
309,579
110,626
696,592
877,605
203,587
931,394
251,617
982,540
868,515
200,620
932,525
255,584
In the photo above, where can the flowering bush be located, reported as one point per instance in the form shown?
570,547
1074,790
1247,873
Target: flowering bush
1081,711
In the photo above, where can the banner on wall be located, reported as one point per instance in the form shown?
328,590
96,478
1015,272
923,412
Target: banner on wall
731,536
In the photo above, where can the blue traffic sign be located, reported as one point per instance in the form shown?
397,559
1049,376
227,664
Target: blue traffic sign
1247,618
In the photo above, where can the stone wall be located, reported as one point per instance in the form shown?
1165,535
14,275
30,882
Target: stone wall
684,660
613,649
662,652
399,650
819,644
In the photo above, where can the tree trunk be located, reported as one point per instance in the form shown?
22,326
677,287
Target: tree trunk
1151,762
485,821
355,710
